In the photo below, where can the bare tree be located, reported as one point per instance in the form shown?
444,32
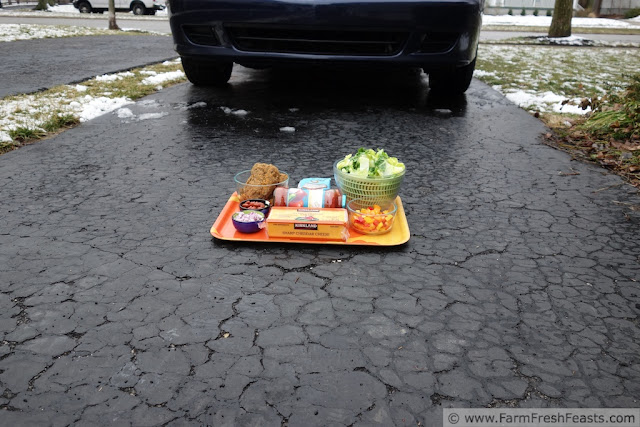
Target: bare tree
561,21
112,15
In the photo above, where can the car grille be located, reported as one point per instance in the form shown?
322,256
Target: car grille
438,42
201,34
316,41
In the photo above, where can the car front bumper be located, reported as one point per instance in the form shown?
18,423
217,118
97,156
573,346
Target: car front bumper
431,34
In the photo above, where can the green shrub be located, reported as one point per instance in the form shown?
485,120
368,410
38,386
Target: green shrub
524,12
535,12
549,13
632,13
44,4
617,114
510,12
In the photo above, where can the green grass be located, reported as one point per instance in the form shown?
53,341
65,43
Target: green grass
23,134
27,118
60,121
569,71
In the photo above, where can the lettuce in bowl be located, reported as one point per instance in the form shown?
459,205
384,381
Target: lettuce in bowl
368,163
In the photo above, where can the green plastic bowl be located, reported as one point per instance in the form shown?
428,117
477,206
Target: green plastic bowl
379,191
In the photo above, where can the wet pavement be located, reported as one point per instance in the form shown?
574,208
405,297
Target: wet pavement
34,65
518,286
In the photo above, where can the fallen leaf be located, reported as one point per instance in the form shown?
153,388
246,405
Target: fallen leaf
625,146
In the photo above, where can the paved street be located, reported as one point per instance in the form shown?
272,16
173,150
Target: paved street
518,286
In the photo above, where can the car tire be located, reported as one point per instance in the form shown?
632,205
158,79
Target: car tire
455,82
207,73
139,9
84,7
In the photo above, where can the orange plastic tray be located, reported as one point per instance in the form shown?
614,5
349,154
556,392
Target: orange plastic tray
223,229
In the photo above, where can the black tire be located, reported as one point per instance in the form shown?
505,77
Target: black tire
138,9
455,82
84,7
207,73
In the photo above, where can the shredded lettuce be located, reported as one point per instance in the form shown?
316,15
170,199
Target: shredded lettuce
368,163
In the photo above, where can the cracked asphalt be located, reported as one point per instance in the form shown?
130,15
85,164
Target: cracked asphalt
518,287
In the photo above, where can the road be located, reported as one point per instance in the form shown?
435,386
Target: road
518,286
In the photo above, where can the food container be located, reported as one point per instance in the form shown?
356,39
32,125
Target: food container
380,191
312,198
315,183
259,205
243,225
308,223
371,219
253,191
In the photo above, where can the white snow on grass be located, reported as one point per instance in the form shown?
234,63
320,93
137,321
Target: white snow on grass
542,78
545,21
482,73
12,32
287,129
566,41
31,111
545,102
90,108
159,78
114,77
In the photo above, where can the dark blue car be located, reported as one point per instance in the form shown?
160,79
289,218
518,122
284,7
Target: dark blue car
439,36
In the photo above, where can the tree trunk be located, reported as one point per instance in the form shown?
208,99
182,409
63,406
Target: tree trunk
596,7
561,21
112,16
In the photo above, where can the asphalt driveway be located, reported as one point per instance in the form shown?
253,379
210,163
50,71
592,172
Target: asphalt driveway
34,65
518,286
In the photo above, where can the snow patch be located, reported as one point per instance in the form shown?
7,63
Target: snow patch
108,78
239,112
159,78
545,102
482,73
95,107
149,116
125,113
545,21
566,41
